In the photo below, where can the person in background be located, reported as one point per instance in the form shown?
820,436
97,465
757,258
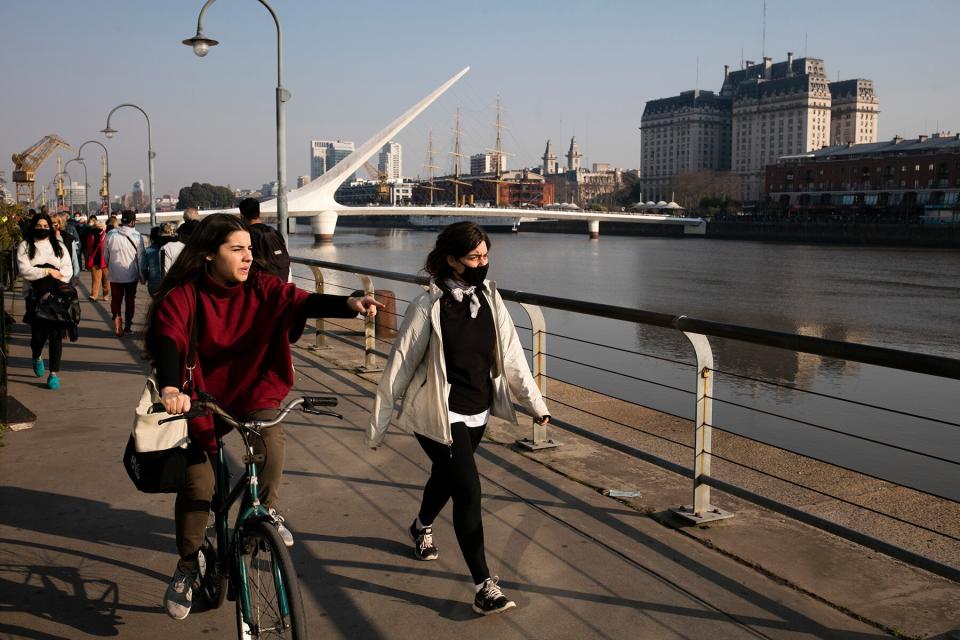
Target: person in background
76,228
122,249
150,258
96,261
269,250
43,260
170,251
191,213
67,235
456,361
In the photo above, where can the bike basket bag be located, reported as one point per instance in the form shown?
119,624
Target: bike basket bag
156,454
156,471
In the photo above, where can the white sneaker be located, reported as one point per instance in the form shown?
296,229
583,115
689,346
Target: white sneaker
179,596
285,534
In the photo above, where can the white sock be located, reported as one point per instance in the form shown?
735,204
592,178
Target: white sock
420,525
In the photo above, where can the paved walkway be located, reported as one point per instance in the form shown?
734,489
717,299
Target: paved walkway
83,555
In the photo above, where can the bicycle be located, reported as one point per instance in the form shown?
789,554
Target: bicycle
251,565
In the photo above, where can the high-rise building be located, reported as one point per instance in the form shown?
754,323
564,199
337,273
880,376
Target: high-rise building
853,112
688,132
763,111
302,181
778,109
390,161
324,154
73,195
481,163
318,157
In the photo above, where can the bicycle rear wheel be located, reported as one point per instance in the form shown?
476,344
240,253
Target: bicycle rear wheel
213,579
276,606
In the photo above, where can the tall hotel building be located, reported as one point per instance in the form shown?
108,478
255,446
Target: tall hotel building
763,111
689,132
390,161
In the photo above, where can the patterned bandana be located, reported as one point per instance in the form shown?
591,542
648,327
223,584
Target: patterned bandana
458,291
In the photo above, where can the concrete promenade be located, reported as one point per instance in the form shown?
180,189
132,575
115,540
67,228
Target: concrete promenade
84,555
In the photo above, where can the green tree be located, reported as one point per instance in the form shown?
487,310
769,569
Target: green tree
205,196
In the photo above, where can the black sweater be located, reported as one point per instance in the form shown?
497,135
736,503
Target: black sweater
468,350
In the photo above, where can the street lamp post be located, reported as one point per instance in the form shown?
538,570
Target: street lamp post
201,45
63,172
107,154
107,131
85,179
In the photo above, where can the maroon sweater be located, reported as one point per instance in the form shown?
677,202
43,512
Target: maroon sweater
243,347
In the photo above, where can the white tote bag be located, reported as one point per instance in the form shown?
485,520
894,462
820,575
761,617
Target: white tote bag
148,434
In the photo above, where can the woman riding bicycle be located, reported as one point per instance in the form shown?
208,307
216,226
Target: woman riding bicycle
247,320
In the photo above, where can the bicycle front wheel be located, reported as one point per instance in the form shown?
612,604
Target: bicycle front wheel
276,606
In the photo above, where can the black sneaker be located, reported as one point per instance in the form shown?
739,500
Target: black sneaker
490,598
423,548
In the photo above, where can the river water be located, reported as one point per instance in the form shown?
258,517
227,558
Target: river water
892,297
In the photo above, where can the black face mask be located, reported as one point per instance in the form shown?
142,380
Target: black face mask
474,276
41,234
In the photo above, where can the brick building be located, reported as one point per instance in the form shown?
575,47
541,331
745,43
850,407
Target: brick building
899,173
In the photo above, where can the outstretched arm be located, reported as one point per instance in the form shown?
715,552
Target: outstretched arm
321,305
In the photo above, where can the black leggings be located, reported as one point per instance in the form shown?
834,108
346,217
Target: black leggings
454,475
40,333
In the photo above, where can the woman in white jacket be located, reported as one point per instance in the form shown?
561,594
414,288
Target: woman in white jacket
41,255
456,361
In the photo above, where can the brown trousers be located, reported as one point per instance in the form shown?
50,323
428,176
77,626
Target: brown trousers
97,276
192,508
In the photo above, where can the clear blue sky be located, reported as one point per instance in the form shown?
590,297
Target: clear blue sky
561,67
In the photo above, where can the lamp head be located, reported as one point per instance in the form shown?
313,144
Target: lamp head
200,43
108,131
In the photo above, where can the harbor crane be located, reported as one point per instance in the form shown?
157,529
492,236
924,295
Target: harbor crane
383,189
26,163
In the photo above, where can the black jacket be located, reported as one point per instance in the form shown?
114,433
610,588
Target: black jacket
55,303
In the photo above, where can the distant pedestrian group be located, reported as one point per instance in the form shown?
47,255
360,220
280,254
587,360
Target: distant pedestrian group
56,247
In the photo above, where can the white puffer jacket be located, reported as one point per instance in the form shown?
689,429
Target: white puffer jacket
416,372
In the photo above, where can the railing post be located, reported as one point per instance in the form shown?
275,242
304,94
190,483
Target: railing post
321,338
369,333
538,350
702,510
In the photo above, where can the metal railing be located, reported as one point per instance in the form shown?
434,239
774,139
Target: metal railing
696,333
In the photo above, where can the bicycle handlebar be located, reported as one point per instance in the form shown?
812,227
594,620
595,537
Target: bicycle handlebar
208,405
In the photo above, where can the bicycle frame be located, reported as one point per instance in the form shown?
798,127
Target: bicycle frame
229,548
229,553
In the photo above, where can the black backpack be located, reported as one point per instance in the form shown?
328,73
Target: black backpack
270,251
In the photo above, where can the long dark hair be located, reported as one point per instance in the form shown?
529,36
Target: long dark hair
456,240
192,264
31,241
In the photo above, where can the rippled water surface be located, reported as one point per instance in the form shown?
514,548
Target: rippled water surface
899,298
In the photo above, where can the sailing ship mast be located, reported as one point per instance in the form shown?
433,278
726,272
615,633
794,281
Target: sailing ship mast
430,166
456,163
498,156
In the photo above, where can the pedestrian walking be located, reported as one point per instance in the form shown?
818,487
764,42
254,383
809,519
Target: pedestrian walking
43,262
96,259
456,361
170,251
122,249
150,258
269,249
245,322
67,235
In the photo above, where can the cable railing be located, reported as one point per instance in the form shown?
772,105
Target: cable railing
718,460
